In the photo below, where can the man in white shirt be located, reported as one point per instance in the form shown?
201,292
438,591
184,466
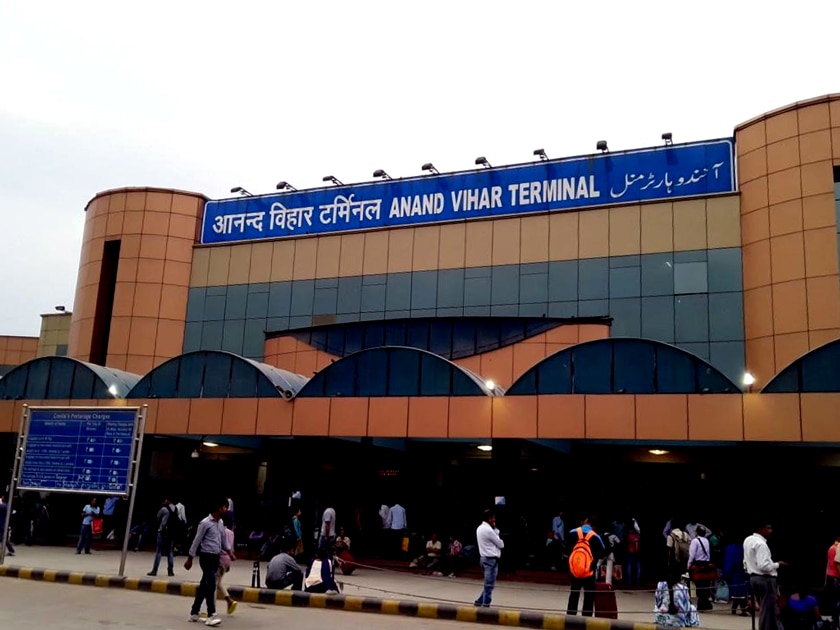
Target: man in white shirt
699,557
490,547
328,531
399,525
763,572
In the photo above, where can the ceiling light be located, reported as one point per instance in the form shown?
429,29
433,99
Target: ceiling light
209,444
657,451
490,384
484,447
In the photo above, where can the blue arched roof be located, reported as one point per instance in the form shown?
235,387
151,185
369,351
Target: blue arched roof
395,371
815,371
216,374
64,378
622,366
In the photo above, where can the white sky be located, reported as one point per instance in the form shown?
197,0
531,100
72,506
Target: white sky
205,96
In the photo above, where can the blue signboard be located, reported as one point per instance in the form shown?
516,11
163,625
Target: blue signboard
661,173
79,450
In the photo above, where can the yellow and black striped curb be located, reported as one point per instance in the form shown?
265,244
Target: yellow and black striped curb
297,599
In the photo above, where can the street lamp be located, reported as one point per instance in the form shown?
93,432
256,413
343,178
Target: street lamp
334,180
482,161
381,173
541,154
285,186
428,166
241,191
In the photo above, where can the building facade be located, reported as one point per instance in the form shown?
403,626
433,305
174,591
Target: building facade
589,320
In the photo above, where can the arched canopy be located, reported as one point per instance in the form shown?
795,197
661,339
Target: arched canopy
63,378
216,374
816,371
622,366
394,371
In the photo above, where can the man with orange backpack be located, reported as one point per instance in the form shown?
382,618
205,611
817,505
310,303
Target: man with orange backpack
587,548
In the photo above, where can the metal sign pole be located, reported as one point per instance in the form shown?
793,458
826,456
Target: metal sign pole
21,444
135,463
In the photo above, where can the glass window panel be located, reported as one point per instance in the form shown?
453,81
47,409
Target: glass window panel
505,285
84,384
335,340
315,386
594,278
625,282
317,338
339,379
440,338
691,318
658,318
657,274
265,388
303,295
511,331
349,295
395,334
61,379
435,376
279,299
417,335
237,301
374,335
191,375
728,357
785,383
424,289
675,372
627,317
243,380
463,385
690,277
140,390
164,380
525,386
36,384
563,281
372,372
554,375
450,288
217,376
634,367
591,370
463,338
398,296
487,335
725,270
819,370
477,291
354,337
403,373
13,385
710,381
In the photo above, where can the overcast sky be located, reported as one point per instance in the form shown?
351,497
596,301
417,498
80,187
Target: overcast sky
205,96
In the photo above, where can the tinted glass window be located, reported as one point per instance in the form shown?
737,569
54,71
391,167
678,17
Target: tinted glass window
61,379
403,373
592,373
338,379
819,370
435,377
371,373
84,383
164,380
674,372
191,375
217,376
710,381
634,367
243,380
36,385
555,376
786,382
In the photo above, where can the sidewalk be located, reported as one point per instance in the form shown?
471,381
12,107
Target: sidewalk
633,606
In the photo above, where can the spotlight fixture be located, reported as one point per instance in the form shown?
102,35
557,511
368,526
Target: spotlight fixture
748,379
541,153
241,191
209,444
61,308
428,166
602,146
381,173
285,186
489,384
668,137
485,448
113,390
482,161
333,179
657,452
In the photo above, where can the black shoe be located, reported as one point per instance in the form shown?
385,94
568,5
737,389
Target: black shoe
151,573
171,574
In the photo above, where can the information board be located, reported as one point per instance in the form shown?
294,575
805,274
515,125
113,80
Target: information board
655,174
79,450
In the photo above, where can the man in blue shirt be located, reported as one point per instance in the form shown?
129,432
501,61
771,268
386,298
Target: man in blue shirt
85,537
210,540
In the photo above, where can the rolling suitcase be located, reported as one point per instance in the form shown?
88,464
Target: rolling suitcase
605,604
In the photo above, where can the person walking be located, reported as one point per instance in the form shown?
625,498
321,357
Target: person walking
832,582
700,568
225,560
6,535
763,572
209,542
328,530
86,536
587,549
165,542
490,547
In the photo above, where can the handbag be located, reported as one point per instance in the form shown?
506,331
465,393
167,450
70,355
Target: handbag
703,572
314,577
96,525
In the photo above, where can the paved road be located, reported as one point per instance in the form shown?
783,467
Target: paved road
28,605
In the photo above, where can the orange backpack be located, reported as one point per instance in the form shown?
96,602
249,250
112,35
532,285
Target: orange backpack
581,558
